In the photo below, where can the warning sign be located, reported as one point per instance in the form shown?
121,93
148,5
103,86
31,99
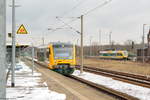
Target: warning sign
22,30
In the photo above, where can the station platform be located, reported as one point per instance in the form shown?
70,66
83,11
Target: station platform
30,86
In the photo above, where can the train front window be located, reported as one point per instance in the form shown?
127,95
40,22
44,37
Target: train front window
63,53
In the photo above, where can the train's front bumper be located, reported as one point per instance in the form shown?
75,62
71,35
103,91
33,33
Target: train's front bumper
64,62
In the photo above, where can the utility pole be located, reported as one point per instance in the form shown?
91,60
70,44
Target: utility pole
77,41
81,68
13,45
110,38
42,40
100,47
90,45
32,59
3,49
143,53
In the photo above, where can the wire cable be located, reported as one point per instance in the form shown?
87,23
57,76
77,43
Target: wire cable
66,24
99,6
77,5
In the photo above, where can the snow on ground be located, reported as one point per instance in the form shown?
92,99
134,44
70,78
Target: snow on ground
30,87
133,90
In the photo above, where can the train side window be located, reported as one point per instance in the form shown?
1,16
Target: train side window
119,54
48,51
105,54
113,54
101,54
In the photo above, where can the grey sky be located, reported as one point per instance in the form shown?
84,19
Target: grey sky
123,17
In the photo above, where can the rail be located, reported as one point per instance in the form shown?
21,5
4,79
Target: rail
136,79
113,93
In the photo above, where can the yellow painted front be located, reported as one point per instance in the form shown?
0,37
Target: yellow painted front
53,62
117,57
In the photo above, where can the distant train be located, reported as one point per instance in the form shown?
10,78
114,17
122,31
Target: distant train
117,54
60,56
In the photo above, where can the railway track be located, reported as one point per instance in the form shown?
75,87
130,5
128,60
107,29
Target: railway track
122,76
116,94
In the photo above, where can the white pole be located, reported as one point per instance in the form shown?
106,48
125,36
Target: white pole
13,45
2,49
90,45
100,40
143,53
81,68
110,39
32,59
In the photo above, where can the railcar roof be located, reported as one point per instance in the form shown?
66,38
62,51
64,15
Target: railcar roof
42,46
113,51
60,43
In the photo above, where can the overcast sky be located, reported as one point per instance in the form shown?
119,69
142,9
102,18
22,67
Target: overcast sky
123,17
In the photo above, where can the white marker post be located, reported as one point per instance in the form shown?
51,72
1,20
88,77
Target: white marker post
3,49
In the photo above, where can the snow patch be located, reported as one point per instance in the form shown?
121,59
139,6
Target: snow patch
133,90
30,87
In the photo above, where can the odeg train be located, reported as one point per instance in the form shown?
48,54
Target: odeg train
60,56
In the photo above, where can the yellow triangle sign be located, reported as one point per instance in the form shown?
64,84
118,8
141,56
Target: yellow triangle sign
22,30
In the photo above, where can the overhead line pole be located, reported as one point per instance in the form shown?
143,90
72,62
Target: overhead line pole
32,58
13,45
81,68
143,53
110,39
3,49
100,40
90,45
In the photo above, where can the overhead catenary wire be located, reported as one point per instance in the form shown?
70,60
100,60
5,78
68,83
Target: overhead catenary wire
99,6
85,13
67,12
77,5
89,11
66,24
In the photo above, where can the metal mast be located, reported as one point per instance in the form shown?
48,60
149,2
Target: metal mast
13,45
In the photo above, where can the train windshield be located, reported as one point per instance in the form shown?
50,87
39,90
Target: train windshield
63,53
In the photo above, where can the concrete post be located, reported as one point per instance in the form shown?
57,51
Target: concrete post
32,59
81,68
2,49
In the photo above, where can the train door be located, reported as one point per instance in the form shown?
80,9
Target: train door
47,54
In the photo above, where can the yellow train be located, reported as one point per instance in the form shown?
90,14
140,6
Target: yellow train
61,57
119,54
